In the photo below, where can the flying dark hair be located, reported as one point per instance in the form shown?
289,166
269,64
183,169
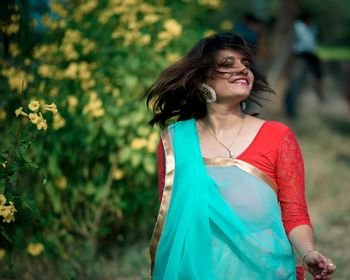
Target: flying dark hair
176,94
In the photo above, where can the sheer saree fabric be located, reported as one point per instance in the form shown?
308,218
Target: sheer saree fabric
216,221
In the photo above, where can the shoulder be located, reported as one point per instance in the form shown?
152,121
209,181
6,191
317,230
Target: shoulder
276,127
268,127
275,131
183,125
180,124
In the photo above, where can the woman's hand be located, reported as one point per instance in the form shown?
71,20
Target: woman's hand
318,265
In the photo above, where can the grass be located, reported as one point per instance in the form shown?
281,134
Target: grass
326,150
333,53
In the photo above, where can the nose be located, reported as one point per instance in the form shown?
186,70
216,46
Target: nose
242,69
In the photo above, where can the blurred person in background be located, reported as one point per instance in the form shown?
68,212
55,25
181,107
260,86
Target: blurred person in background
304,62
231,184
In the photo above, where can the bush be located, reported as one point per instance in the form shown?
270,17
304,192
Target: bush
94,60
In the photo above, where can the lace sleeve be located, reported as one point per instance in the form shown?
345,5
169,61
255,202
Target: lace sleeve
161,168
291,184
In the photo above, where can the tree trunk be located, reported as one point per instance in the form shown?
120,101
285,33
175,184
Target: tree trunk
282,39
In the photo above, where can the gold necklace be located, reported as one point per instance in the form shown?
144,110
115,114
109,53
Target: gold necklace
227,148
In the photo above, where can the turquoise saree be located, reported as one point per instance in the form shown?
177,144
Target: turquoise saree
219,218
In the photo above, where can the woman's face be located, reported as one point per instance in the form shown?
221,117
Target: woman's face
232,79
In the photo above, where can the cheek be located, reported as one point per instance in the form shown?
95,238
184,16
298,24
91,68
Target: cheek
251,76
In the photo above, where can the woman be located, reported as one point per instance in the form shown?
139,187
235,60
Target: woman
232,185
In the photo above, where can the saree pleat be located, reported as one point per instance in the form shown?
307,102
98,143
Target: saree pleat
212,232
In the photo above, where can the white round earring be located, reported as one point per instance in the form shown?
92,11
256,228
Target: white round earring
209,93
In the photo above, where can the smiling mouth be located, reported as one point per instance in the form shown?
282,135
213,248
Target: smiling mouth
241,81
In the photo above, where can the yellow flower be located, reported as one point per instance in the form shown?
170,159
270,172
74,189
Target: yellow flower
4,165
118,174
38,120
2,199
45,70
145,39
172,57
116,92
61,183
151,18
226,25
107,88
120,102
58,121
41,88
41,124
2,254
11,28
69,51
88,46
173,27
72,36
98,112
214,4
138,143
84,71
208,32
88,6
14,50
18,82
71,71
94,108
34,117
34,105
35,249
51,108
58,9
105,16
72,102
27,61
152,142
54,92
7,212
19,111
3,114
130,2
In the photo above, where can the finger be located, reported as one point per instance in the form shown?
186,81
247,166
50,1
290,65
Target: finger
331,266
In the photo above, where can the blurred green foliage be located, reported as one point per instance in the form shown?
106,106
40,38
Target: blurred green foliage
94,60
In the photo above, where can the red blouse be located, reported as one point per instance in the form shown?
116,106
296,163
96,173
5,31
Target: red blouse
276,152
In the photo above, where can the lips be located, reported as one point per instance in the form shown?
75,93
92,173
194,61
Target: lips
240,80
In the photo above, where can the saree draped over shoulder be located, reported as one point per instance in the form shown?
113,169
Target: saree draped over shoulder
219,219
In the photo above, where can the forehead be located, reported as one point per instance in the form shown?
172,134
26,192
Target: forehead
228,53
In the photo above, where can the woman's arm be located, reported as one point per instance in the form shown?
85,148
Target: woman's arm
317,264
290,179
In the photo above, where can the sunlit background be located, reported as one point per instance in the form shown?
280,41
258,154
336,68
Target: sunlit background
78,185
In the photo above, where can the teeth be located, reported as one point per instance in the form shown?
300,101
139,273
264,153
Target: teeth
241,81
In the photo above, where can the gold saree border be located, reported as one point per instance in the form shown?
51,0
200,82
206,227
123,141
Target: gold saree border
168,186
245,166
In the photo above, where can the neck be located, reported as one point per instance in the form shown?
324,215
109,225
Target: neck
221,118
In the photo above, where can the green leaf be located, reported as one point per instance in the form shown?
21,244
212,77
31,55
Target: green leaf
109,127
4,234
149,164
136,159
54,197
31,206
43,176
